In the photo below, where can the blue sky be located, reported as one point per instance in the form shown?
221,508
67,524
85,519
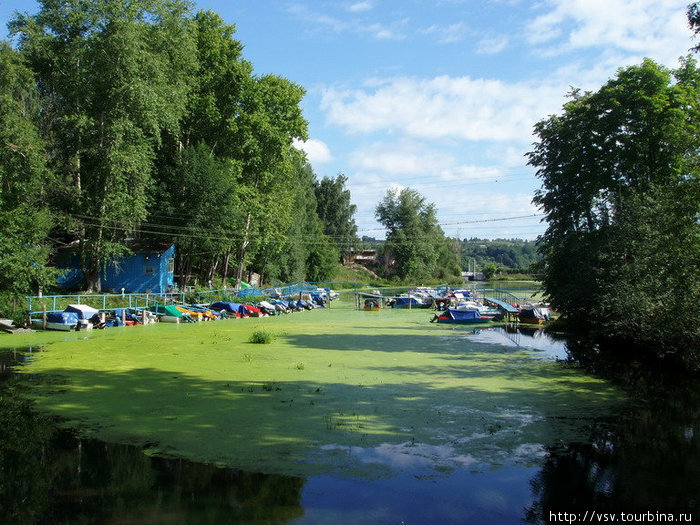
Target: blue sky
441,96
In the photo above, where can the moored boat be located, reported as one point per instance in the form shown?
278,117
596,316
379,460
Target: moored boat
461,316
372,305
63,321
534,315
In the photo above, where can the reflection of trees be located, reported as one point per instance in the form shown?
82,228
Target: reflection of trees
648,459
49,476
25,458
120,482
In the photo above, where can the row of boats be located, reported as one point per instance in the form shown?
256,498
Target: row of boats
463,307
84,317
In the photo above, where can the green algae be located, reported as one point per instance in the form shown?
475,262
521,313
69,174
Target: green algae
335,390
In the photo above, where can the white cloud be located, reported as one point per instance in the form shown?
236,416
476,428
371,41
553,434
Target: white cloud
316,151
320,21
455,108
447,34
654,28
492,45
404,158
360,6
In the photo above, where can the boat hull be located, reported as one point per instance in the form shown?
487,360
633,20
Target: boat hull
63,327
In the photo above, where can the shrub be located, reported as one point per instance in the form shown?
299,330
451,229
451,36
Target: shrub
261,337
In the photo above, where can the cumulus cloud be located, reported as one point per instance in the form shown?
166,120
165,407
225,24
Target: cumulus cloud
459,108
651,28
316,151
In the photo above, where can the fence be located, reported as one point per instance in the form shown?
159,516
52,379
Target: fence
55,303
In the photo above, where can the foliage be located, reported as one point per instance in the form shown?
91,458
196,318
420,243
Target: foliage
414,240
113,78
24,217
336,212
619,173
510,253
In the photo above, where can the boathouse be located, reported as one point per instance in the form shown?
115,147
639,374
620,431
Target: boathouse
150,268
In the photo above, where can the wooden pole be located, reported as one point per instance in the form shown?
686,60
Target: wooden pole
43,317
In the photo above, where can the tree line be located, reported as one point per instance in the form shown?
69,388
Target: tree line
620,189
142,119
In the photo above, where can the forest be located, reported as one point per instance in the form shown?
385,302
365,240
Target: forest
143,120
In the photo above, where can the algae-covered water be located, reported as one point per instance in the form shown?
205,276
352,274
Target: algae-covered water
346,417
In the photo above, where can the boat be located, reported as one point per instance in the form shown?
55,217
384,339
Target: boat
410,301
63,321
534,315
372,305
461,316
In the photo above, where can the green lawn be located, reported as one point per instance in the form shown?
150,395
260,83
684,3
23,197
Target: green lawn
336,390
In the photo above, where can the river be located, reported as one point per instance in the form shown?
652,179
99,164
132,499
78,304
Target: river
643,462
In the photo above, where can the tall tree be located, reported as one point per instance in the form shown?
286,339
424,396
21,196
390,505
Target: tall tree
250,123
626,148
24,216
113,77
414,239
336,211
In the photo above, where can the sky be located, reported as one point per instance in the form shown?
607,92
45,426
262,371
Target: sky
441,96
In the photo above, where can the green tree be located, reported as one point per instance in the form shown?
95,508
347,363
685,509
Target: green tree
249,123
414,239
114,78
611,157
336,211
24,216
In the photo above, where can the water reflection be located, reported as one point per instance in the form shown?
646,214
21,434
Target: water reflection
546,345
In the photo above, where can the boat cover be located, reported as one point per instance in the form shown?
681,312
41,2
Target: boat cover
166,309
83,311
62,317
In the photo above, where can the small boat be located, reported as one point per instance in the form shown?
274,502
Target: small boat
534,315
461,316
372,305
63,321
410,301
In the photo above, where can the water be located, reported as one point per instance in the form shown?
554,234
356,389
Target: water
646,458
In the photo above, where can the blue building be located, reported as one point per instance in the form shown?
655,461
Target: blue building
150,268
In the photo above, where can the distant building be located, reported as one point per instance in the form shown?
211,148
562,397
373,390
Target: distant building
150,268
363,257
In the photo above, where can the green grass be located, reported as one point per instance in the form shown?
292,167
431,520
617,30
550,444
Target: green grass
332,381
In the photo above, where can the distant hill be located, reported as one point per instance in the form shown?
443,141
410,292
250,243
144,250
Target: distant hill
515,254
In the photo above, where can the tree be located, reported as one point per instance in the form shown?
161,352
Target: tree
612,166
336,211
113,77
24,216
414,238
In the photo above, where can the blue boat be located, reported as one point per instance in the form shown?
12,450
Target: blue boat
461,316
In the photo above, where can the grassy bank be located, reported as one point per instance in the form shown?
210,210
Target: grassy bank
336,389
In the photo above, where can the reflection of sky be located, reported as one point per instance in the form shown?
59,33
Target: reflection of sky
493,497
433,459
528,338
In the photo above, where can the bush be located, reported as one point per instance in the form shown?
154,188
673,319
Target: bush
261,337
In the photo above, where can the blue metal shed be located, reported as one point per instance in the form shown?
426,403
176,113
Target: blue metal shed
151,267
